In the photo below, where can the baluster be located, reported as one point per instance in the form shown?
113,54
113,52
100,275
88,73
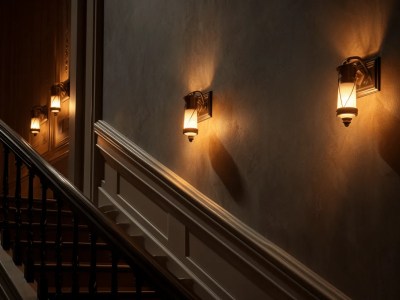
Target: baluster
18,222
5,232
75,256
114,274
43,284
58,246
93,262
29,267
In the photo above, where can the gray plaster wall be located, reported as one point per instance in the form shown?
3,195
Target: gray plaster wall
274,154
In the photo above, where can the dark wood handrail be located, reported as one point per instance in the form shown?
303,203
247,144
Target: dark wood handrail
167,283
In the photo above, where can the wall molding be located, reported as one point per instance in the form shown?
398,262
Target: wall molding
273,273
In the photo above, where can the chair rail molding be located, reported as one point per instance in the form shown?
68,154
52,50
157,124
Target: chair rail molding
224,257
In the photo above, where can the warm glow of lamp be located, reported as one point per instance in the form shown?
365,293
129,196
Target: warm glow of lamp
35,125
356,78
347,100
190,123
39,115
58,91
190,119
197,109
55,104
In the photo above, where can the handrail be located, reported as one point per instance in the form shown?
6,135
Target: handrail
134,256
216,227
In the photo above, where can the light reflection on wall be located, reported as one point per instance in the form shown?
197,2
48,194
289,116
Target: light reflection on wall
349,156
360,28
200,64
202,53
202,48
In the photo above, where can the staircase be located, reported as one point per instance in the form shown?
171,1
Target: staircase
67,247
67,276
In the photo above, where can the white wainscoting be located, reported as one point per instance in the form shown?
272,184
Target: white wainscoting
221,257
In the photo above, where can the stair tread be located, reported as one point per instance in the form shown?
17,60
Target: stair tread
100,290
35,209
106,208
35,224
103,266
67,243
51,265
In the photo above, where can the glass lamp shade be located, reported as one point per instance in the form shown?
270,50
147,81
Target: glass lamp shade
190,123
347,91
35,125
55,104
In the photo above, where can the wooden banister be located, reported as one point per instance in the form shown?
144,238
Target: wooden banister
169,286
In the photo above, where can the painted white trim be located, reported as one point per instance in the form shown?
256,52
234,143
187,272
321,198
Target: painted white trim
288,276
16,286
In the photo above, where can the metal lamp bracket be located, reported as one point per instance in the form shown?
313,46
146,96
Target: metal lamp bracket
40,112
204,106
63,87
368,83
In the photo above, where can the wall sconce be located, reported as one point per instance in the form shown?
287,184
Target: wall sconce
55,100
58,92
198,107
357,77
39,115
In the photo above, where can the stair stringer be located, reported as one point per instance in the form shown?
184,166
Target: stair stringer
224,258
12,283
143,238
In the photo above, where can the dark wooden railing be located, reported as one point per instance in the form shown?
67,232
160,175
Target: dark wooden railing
143,265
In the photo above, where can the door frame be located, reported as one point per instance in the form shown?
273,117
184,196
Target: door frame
87,19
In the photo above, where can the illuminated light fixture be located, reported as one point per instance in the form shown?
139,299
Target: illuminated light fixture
357,77
35,125
55,100
58,92
39,115
198,107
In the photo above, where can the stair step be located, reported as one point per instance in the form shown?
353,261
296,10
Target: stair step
51,230
125,275
103,252
86,267
188,282
112,215
48,225
107,208
138,239
125,278
66,215
37,203
104,294
161,259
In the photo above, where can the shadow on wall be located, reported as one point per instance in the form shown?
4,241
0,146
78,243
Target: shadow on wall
389,140
226,168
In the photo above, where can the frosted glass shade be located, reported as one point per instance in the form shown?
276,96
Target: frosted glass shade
35,125
347,102
190,123
55,103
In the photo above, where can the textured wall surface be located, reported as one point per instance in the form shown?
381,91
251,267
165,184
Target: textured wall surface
274,154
